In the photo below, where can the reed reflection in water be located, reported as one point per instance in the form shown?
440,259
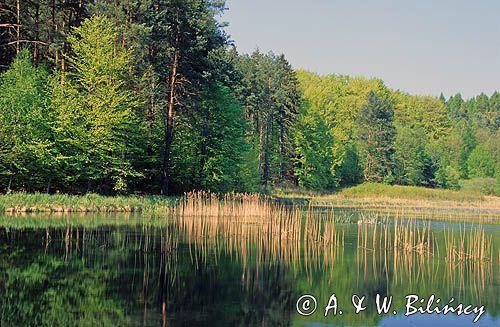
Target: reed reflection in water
239,260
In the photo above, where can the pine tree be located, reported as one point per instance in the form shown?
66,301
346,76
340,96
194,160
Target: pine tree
376,134
271,96
410,156
183,34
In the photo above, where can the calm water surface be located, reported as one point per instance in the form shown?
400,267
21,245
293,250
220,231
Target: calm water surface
140,271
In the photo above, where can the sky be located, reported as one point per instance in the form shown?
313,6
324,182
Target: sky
418,46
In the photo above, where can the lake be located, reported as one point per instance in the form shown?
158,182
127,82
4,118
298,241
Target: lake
153,270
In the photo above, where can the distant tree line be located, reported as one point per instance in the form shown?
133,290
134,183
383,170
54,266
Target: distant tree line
352,130
152,96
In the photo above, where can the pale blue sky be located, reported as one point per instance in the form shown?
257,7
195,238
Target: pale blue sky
419,46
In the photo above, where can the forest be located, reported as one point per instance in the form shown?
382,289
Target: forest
153,97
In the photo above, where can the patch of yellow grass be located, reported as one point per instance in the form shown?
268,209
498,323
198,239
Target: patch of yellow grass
394,198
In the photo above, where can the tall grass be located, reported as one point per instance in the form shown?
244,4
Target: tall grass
390,199
39,202
238,222
398,236
478,215
260,232
416,201
409,192
471,244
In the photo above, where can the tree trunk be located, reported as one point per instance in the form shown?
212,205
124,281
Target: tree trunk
49,184
18,22
265,170
150,117
9,185
261,142
169,125
368,165
37,32
115,2
282,153
53,16
79,12
265,173
63,48
164,313
116,23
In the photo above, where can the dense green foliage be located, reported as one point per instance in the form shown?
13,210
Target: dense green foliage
357,129
376,131
210,150
95,124
141,97
25,145
125,96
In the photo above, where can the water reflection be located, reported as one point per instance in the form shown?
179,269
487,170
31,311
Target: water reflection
222,270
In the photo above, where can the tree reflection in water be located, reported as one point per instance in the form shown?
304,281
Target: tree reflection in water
211,272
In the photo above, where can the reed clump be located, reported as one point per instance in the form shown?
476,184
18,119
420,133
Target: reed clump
398,236
250,223
470,244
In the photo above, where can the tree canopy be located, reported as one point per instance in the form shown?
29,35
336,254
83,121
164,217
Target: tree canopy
153,97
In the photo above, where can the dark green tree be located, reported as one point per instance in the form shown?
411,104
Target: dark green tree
271,96
410,156
376,134
211,149
184,32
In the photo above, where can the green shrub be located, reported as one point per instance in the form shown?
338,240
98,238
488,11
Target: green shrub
481,163
484,185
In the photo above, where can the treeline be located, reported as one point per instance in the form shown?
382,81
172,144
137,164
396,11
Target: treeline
152,96
352,130
149,96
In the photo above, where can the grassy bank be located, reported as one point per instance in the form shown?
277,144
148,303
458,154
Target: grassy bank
372,195
37,202
369,196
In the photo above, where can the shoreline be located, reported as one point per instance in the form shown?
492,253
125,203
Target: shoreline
369,197
27,203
